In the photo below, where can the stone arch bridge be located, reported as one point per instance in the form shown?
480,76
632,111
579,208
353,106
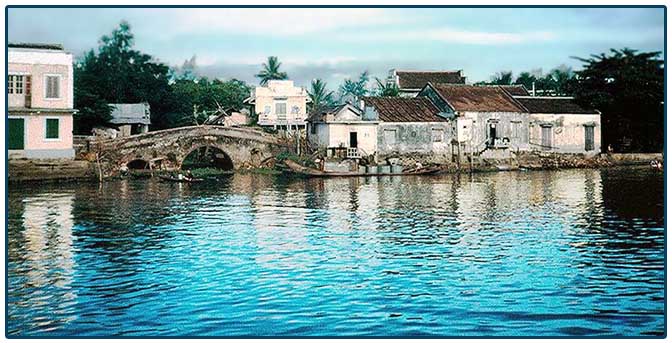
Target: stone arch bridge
168,148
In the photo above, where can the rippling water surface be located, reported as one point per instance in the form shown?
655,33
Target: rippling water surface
577,252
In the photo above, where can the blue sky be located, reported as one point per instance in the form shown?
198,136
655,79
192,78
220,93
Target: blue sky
334,44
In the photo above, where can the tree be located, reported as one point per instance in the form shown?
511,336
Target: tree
118,74
502,78
354,90
193,101
384,88
271,71
526,79
628,88
559,79
320,98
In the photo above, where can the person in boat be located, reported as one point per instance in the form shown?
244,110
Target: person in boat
189,176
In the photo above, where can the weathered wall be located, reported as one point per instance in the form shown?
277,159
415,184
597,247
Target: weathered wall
421,137
338,134
511,125
567,132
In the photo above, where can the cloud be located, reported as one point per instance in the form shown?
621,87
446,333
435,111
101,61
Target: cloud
449,35
279,21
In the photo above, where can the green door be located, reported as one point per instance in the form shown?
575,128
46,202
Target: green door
15,134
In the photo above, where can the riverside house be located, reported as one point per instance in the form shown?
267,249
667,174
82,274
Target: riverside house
131,119
279,104
40,101
382,127
560,125
453,122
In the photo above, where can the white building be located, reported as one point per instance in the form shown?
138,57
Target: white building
279,104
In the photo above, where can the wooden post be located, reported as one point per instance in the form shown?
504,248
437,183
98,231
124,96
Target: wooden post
100,171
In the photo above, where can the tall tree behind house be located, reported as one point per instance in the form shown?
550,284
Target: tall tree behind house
628,88
116,73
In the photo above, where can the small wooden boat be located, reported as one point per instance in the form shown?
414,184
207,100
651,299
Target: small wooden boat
307,171
174,179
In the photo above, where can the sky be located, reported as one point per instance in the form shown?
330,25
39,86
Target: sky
338,43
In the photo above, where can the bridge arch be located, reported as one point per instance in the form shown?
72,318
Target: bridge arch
137,164
168,149
207,156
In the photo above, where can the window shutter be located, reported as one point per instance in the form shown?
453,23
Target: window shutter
52,129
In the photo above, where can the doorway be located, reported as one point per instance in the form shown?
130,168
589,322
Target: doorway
546,137
16,134
353,139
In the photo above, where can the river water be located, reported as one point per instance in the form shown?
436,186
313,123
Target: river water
543,253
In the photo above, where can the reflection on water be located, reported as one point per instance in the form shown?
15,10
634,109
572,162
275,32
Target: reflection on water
577,252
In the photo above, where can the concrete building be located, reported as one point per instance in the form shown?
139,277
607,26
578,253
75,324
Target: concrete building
489,121
279,104
411,126
40,101
558,124
411,82
382,127
131,119
343,130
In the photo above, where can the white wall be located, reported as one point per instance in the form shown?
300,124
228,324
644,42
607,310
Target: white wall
567,132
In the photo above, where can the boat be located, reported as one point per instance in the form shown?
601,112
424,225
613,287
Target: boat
174,179
296,168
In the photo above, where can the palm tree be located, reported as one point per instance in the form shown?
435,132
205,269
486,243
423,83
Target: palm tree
271,71
386,88
355,90
319,96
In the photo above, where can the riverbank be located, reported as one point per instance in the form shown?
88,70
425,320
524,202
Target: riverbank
22,170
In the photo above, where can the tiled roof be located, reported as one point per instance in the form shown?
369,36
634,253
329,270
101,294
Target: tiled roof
42,46
553,105
397,109
418,79
516,90
478,98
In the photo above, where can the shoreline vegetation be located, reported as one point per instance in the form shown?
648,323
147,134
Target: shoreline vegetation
34,171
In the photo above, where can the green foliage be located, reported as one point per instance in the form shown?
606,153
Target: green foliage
386,88
193,101
526,79
628,87
320,98
117,74
352,90
271,71
502,78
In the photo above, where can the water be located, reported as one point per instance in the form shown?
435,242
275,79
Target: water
577,252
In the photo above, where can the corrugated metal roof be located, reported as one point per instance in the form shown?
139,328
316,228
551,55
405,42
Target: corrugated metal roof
130,114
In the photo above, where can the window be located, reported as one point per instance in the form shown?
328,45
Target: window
437,135
390,136
15,84
590,137
267,109
546,137
295,109
515,129
280,108
52,87
52,131
313,129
